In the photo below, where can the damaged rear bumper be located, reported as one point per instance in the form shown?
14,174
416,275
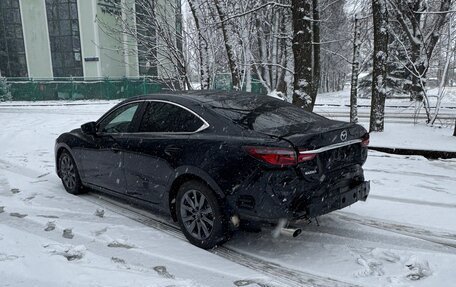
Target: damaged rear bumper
312,207
337,200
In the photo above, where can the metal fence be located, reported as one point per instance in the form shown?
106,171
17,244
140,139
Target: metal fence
73,89
24,89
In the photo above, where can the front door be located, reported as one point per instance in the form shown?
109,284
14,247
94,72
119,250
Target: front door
103,161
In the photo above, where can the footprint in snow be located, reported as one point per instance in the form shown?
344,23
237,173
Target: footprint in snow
2,209
386,256
250,283
6,257
47,216
27,199
161,270
100,213
70,252
120,244
43,175
371,267
118,260
50,226
15,190
68,233
18,215
100,232
420,269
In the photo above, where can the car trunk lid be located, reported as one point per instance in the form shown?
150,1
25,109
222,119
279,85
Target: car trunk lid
318,134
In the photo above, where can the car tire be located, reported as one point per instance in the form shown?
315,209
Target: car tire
69,174
200,215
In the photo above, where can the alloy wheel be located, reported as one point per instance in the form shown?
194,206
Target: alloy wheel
68,171
197,214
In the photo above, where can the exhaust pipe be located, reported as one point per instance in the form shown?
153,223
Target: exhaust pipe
291,232
283,229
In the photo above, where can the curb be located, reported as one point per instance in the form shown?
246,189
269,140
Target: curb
429,154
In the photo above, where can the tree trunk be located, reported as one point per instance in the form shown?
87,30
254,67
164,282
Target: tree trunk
316,51
235,75
302,52
355,73
454,133
380,19
203,51
281,83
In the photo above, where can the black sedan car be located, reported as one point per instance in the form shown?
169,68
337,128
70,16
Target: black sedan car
214,160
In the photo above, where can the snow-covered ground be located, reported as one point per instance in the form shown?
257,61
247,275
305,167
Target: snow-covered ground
402,128
404,235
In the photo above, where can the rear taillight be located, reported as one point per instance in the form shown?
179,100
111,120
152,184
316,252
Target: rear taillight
274,156
365,140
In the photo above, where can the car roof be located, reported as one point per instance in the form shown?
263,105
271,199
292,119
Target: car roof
198,96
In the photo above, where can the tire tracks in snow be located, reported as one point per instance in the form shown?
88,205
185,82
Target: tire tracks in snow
440,237
283,275
412,201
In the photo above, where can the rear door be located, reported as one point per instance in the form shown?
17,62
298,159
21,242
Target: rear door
160,146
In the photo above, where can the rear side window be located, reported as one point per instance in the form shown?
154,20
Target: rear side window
168,118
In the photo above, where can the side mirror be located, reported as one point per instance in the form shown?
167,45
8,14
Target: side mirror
89,128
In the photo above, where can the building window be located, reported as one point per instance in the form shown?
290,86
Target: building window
147,38
12,50
64,37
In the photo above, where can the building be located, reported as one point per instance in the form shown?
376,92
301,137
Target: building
48,39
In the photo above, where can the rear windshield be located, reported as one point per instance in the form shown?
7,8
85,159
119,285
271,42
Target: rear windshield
262,113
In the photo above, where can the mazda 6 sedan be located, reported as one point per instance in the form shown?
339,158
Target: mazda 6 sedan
214,161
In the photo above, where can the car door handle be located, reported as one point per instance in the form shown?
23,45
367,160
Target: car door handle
172,150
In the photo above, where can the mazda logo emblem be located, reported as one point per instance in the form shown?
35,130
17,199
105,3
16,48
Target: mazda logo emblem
344,135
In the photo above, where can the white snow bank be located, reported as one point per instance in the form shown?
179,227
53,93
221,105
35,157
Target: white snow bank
410,136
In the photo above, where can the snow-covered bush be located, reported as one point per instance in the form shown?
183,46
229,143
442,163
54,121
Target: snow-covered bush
5,93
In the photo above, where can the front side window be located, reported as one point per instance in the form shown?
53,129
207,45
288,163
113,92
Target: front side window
120,120
168,118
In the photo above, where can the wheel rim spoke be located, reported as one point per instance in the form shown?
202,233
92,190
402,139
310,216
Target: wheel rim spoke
208,221
195,201
204,228
206,211
188,218
187,208
198,225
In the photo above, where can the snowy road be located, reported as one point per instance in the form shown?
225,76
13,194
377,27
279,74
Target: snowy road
404,235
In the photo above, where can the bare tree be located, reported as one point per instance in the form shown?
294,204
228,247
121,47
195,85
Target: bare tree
450,51
202,46
422,30
270,47
230,52
152,31
355,72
